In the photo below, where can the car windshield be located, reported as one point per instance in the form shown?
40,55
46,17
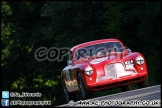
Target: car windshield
98,50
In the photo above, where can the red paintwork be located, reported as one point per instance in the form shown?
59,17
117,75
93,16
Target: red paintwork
69,73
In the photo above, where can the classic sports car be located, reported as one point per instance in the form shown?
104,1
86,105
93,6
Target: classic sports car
101,65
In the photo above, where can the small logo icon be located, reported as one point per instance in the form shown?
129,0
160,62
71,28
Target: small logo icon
5,102
71,102
5,94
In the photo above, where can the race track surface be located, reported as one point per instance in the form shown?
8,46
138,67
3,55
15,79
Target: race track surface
150,96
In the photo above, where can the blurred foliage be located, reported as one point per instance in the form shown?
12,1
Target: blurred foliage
27,26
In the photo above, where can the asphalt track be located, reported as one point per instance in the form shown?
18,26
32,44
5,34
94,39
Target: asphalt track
150,96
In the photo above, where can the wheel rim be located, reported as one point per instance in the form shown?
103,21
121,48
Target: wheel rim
82,88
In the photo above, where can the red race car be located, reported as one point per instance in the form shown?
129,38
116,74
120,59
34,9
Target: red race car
101,65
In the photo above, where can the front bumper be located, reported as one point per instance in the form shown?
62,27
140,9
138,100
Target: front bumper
118,82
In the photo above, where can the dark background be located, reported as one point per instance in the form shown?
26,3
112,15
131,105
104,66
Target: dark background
27,26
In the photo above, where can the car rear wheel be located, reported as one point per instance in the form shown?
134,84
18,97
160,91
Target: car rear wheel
126,88
69,96
143,83
86,94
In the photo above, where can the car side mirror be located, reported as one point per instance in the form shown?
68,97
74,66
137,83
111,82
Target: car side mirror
69,62
129,50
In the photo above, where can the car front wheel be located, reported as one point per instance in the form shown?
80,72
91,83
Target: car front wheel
69,96
126,88
86,94
143,83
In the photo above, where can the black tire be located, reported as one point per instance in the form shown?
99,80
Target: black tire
69,96
144,83
86,94
126,88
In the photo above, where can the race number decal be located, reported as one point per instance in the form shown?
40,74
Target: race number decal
99,60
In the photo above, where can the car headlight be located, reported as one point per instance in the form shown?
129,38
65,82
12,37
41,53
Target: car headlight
139,60
129,64
88,70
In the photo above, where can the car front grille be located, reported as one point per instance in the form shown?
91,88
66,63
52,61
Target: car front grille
113,71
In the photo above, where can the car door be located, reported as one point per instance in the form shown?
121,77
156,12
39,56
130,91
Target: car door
71,74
